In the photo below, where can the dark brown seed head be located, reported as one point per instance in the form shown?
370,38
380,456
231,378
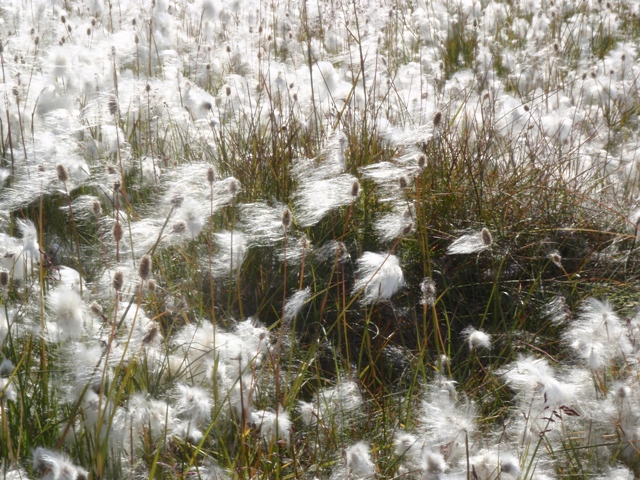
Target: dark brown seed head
118,281
355,189
211,175
437,117
63,173
151,334
487,239
286,218
144,268
117,231
96,208
4,278
151,285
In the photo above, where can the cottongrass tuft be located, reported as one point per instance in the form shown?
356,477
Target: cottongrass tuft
493,466
476,339
359,463
471,243
295,303
598,335
193,404
432,465
405,442
7,391
379,277
271,425
56,466
67,308
555,258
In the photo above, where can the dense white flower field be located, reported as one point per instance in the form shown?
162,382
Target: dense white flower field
319,239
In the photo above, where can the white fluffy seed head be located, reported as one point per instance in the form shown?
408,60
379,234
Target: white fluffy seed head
477,339
359,461
66,307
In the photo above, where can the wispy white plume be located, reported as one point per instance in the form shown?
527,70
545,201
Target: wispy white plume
232,248
359,463
378,277
271,425
316,198
598,336
67,310
262,223
56,466
471,243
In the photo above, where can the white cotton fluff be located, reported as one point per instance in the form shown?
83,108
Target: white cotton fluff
359,461
598,335
432,464
471,243
193,404
477,339
295,303
379,277
271,425
66,307
232,249
56,466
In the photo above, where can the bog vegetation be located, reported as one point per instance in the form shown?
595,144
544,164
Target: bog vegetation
321,239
